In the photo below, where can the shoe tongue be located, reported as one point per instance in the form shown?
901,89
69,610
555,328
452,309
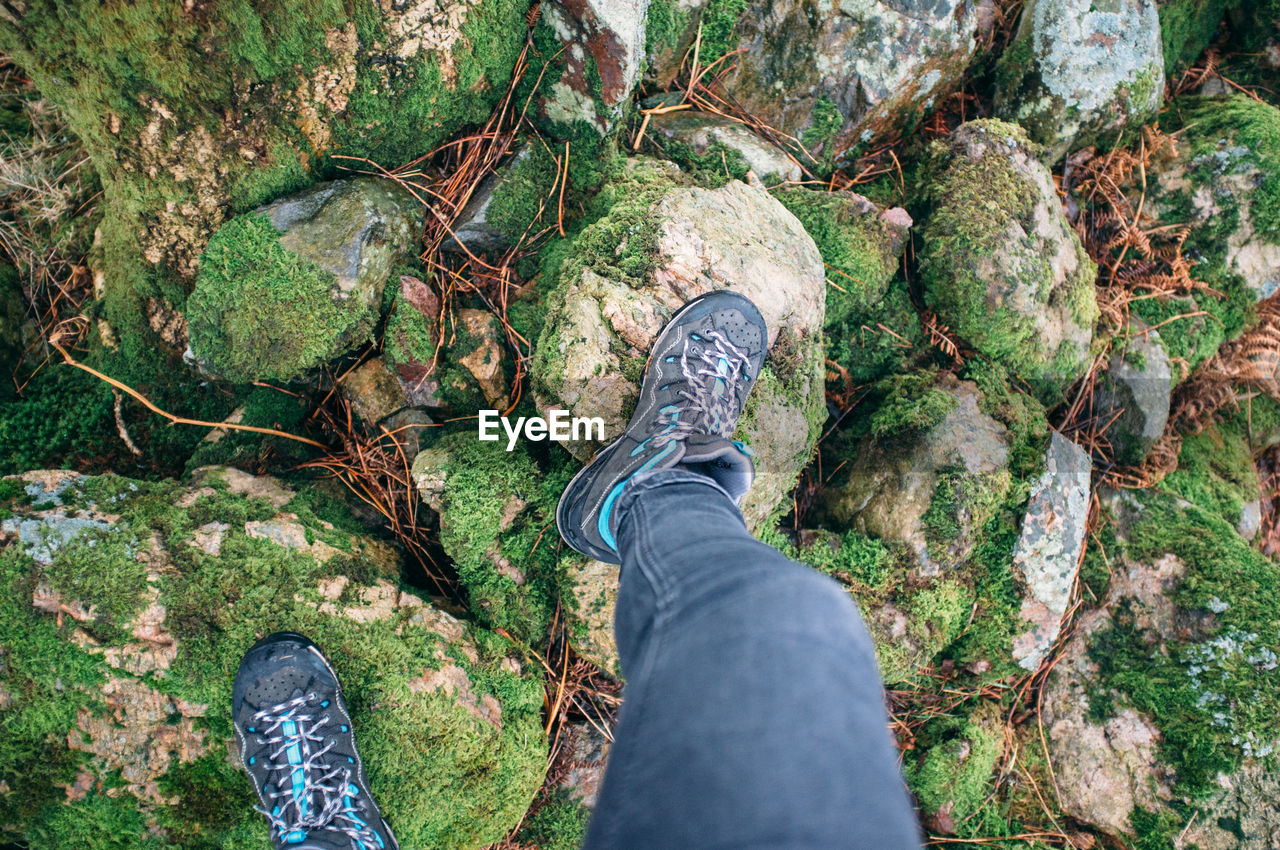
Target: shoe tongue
721,460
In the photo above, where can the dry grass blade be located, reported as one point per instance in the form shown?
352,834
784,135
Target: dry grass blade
48,194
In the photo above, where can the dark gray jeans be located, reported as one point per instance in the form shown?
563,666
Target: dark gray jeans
754,713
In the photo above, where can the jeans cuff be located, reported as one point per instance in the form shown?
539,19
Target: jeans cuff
654,479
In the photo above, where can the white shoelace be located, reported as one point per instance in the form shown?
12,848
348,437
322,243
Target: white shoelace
711,375
309,794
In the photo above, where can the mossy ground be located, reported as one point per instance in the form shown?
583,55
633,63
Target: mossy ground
410,340
871,328
522,205
444,778
711,169
965,617
400,111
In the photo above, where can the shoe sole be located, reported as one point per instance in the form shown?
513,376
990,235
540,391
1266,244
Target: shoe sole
669,327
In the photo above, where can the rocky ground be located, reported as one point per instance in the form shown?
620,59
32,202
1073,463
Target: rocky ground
262,267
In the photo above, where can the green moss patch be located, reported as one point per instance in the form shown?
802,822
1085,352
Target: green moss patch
1213,689
953,776
497,524
1186,29
260,312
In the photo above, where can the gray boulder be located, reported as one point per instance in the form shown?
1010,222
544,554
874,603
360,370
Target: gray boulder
1080,72
355,229
837,77
1046,557
1135,392
889,487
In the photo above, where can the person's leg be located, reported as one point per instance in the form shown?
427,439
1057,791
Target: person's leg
753,713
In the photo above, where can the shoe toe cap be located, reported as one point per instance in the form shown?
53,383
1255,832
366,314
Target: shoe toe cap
278,668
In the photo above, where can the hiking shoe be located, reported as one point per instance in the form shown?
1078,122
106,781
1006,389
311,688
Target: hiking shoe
700,371
297,745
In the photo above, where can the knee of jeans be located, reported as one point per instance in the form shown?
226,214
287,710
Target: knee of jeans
801,588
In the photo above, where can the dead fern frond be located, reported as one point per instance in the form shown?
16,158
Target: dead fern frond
940,336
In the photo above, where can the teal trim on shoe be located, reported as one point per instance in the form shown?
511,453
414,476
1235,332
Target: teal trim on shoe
602,524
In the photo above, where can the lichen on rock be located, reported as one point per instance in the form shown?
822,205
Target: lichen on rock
1080,73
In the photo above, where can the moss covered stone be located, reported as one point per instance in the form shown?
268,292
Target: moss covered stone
715,150
1185,642
521,203
1224,183
287,288
937,472
928,473
952,778
999,262
656,245
1176,669
871,327
245,315
126,608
